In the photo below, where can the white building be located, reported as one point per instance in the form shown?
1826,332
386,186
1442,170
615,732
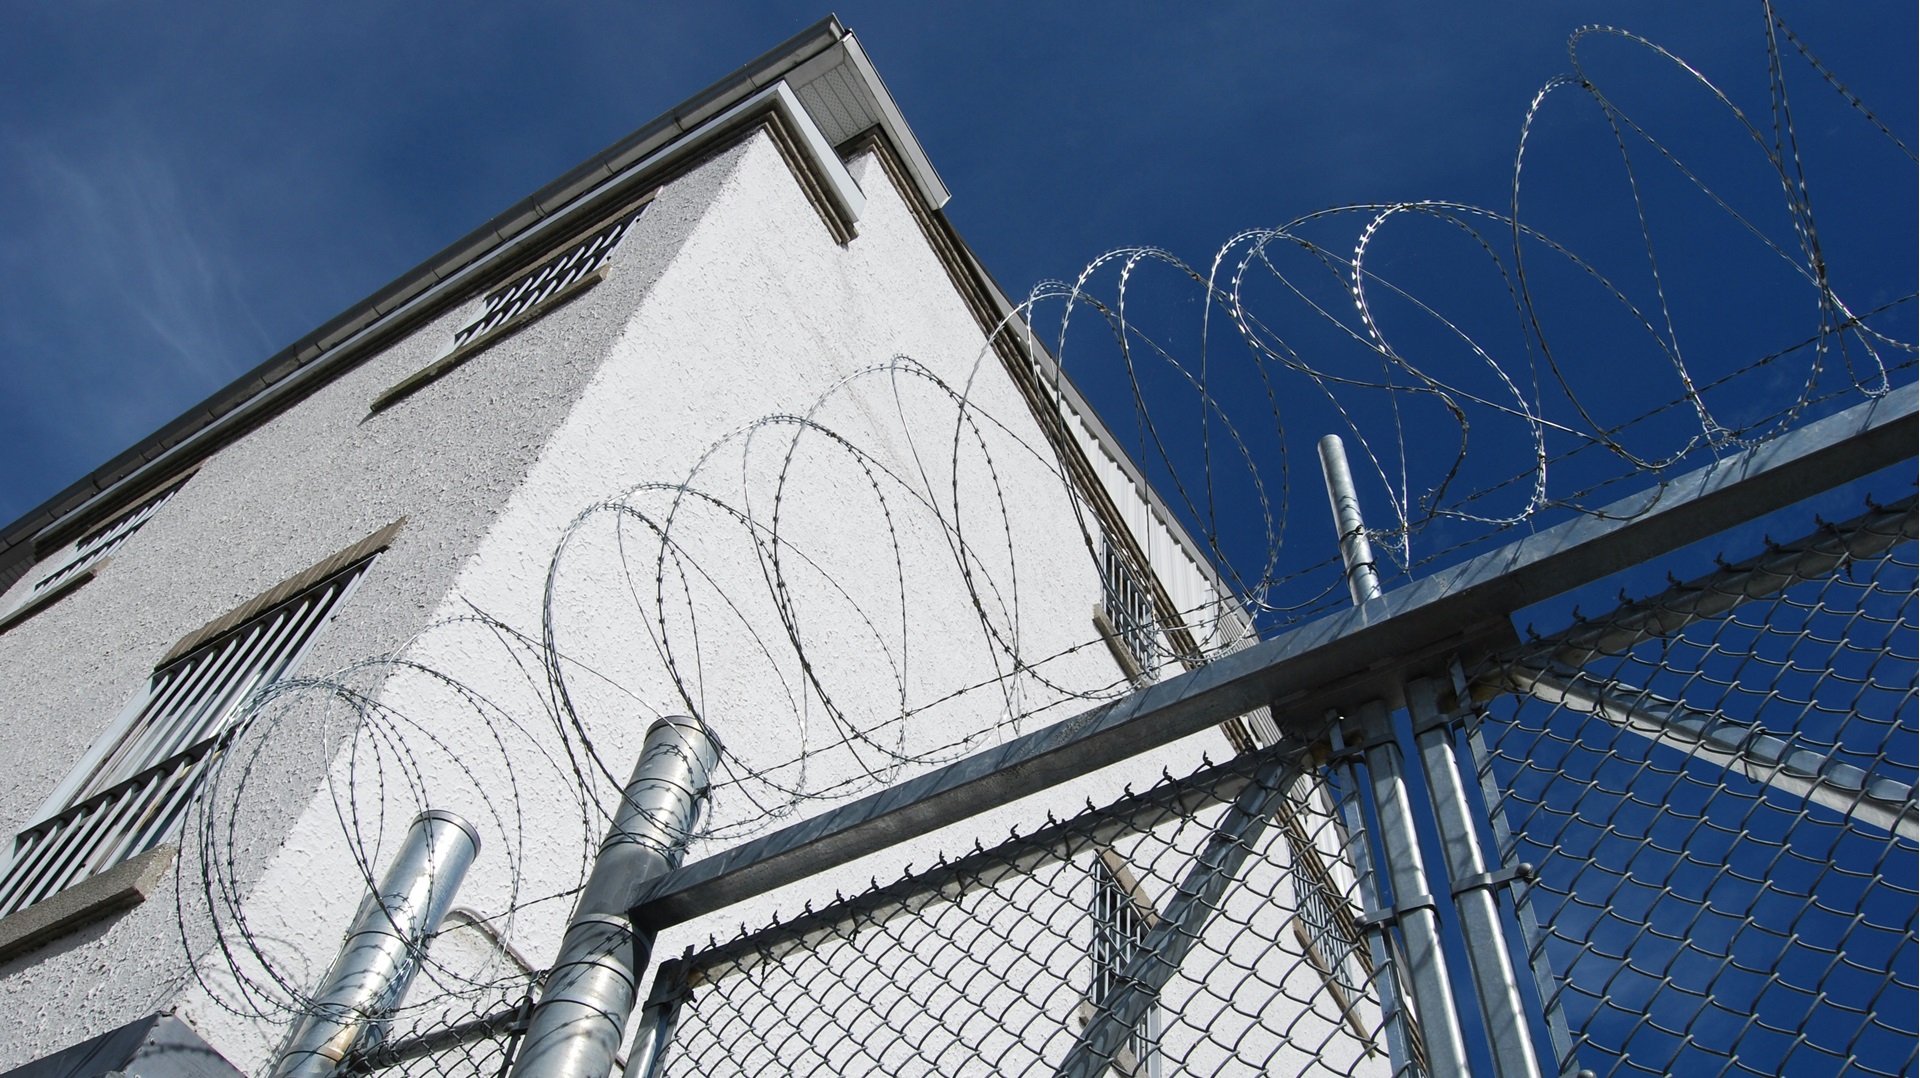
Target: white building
727,421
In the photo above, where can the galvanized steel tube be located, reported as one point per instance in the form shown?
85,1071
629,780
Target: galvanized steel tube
382,950
576,1027
1393,1017
1413,906
1494,975
1356,553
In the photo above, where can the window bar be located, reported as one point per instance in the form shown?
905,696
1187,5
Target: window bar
162,805
47,868
100,544
187,719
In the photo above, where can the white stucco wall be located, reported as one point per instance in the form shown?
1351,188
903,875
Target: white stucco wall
312,481
760,314
933,576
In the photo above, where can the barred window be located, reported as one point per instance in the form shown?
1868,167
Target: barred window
1122,918
134,789
98,545
520,300
548,281
1325,924
1129,611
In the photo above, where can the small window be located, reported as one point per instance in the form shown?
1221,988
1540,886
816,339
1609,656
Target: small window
134,789
76,563
1326,927
1131,626
523,299
1122,917
545,282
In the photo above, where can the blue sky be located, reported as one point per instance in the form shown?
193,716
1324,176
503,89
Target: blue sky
185,193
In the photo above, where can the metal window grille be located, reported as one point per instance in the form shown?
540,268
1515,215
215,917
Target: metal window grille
1129,609
134,794
1325,924
1121,921
546,281
98,545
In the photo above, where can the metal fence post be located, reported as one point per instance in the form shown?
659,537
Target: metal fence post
1413,905
382,949
657,1019
576,1027
1532,937
1405,870
1356,553
1492,965
1367,883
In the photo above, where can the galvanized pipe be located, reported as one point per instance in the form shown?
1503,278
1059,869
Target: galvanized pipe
1494,975
1546,987
1356,553
658,1016
1413,907
576,1027
1367,884
382,950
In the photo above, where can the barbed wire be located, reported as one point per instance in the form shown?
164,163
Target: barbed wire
896,574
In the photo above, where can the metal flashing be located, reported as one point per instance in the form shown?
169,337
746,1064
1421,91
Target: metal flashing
915,158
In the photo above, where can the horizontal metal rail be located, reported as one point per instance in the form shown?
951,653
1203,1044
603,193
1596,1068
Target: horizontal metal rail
502,1023
1770,759
948,881
1812,557
1338,661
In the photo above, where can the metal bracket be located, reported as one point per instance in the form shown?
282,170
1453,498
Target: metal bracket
1497,878
1373,918
1356,752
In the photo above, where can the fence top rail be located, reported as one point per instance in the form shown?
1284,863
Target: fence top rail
1337,661
1017,856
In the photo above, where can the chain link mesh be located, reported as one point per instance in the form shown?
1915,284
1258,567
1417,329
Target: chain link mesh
463,1038
1716,789
1011,960
1712,792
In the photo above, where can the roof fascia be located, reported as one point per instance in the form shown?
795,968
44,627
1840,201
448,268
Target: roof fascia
667,141
904,141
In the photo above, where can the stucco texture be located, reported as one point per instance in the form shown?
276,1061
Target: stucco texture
754,475
312,481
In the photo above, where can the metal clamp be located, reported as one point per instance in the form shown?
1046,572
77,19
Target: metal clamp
1374,918
1523,872
1356,752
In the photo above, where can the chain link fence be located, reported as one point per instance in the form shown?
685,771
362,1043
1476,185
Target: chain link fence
1705,799
1205,926
1715,787
466,1039
1691,848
